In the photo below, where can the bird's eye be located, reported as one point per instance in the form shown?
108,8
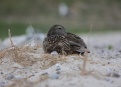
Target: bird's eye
85,47
59,28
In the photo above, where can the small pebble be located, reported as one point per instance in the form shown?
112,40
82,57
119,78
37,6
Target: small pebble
102,51
36,72
1,72
103,64
109,80
32,75
55,76
113,75
18,77
55,53
9,77
58,67
45,73
58,72
2,84
120,51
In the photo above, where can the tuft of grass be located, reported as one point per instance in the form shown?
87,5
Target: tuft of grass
25,55
110,47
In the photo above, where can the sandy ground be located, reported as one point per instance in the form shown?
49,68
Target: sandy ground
25,65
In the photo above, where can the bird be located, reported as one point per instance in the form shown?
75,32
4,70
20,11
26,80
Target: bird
63,42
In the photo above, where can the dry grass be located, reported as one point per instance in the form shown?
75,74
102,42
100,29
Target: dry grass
27,55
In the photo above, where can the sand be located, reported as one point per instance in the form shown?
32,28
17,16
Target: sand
26,65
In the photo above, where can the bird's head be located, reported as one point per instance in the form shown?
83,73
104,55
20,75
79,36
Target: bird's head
56,29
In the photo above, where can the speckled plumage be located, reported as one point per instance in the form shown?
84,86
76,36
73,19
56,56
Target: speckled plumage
63,42
57,43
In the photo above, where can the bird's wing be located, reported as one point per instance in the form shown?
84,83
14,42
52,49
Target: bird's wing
72,43
74,36
80,50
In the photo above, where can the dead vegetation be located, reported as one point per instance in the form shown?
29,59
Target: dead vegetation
27,55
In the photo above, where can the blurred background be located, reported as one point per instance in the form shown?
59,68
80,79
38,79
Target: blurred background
75,15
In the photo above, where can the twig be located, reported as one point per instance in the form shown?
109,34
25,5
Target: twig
9,33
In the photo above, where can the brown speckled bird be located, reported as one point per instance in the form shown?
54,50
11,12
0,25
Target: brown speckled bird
63,42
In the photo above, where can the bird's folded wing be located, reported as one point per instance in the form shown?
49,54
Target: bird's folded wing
80,51
72,43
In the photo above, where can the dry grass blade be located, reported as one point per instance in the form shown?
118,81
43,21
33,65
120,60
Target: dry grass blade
89,34
93,73
85,59
9,33
6,50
